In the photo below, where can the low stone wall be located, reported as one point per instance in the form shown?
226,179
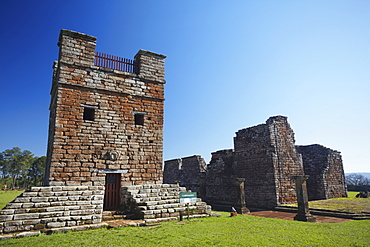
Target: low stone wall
156,202
44,208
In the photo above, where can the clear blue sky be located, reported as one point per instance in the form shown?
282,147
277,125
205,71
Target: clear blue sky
230,65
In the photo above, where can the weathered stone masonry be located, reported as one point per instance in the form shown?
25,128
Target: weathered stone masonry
105,145
104,120
325,169
264,158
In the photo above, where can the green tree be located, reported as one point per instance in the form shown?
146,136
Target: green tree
36,172
15,164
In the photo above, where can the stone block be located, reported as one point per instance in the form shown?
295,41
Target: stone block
6,217
64,218
6,211
96,202
31,222
73,198
45,189
45,193
70,188
42,204
9,229
22,199
55,204
28,205
26,216
35,189
73,207
52,209
13,205
60,193
79,188
40,199
55,224
27,234
63,198
57,188
22,210
46,220
75,193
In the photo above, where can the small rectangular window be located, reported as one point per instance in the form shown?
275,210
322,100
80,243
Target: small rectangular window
139,119
89,113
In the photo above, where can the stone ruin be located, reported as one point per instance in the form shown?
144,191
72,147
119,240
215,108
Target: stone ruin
105,145
264,158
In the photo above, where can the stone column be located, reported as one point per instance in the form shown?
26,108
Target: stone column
241,193
302,198
150,66
76,48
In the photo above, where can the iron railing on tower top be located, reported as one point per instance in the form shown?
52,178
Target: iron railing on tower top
114,62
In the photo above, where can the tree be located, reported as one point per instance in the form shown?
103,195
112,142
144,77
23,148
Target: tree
357,180
36,172
15,164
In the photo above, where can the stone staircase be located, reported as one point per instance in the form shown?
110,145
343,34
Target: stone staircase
46,208
160,202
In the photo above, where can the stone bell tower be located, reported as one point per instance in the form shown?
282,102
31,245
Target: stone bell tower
106,116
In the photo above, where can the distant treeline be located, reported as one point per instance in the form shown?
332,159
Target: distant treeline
357,182
21,169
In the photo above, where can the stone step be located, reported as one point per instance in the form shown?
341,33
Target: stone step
161,201
28,224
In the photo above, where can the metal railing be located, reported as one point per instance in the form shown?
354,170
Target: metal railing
114,62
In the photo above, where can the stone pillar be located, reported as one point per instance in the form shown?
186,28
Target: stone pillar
302,198
241,195
150,65
76,48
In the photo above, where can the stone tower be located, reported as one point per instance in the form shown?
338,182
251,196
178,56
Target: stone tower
106,116
267,158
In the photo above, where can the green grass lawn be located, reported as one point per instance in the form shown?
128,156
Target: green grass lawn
350,204
7,196
242,230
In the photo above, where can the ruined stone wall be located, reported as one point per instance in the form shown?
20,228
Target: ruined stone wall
188,172
221,189
287,161
266,157
254,161
192,172
104,120
325,169
171,172
222,162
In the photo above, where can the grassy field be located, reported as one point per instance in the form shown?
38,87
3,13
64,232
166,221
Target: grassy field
350,204
242,230
8,196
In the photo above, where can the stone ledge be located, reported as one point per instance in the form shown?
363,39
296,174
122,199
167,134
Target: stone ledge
53,230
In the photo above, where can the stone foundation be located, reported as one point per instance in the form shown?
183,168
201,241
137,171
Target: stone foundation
44,208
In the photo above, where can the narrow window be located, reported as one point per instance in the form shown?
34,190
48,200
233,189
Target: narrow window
139,119
89,113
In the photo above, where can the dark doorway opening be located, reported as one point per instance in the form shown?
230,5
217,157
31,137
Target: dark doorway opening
112,191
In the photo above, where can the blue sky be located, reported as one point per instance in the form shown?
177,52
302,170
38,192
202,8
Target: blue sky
230,65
